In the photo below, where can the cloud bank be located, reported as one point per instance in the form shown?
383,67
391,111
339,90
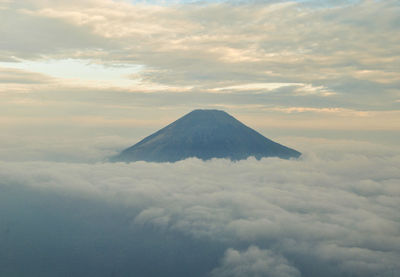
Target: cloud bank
334,212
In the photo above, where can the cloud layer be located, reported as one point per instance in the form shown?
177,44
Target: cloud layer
332,213
302,57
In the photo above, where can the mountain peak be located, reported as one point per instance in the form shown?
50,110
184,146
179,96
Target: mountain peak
204,114
207,111
204,134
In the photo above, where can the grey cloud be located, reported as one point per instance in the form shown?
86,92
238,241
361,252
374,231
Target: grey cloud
15,76
223,44
26,36
334,212
49,101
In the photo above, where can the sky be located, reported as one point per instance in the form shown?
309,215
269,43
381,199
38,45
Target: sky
80,80
286,68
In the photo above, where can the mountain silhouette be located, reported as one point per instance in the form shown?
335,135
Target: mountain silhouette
204,134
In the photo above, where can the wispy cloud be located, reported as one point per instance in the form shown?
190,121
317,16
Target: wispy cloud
296,61
214,44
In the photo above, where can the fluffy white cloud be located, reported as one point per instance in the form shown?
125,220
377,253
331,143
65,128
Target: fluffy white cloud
334,211
254,262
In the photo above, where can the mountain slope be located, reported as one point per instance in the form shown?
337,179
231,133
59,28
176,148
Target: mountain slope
204,134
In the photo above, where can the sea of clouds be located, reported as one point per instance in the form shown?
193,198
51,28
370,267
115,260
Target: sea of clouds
333,212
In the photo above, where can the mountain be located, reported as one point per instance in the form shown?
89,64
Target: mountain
204,134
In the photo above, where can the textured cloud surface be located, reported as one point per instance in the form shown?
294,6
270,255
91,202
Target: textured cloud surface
332,64
334,212
254,262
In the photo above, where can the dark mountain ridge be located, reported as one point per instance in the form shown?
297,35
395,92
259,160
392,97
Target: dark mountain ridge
205,134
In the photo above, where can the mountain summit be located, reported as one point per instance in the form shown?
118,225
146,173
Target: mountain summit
205,134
